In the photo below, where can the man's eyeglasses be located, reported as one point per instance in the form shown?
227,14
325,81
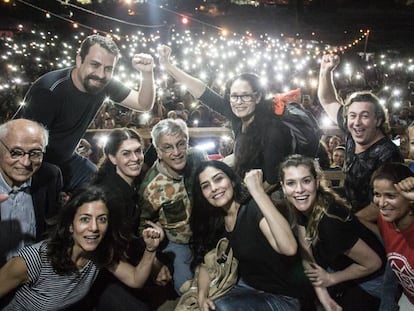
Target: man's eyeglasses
244,98
17,153
180,146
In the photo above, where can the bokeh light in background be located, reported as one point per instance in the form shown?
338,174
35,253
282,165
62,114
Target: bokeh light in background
214,56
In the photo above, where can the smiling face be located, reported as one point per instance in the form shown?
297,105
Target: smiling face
393,206
243,107
24,136
363,123
128,160
338,157
300,187
172,152
216,187
89,226
95,71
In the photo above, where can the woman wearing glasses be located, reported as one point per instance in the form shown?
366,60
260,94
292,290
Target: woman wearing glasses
260,139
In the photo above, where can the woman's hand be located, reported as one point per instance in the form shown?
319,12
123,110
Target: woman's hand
152,236
406,188
330,305
318,276
164,53
206,304
253,179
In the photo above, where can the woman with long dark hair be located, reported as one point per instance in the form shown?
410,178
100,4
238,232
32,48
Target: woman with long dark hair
270,269
120,172
57,272
393,185
261,140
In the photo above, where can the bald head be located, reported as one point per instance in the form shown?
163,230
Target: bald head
23,143
24,127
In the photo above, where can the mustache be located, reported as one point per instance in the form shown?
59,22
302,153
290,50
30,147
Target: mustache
93,77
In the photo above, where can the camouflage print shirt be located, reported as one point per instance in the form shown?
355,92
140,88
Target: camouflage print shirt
165,199
168,199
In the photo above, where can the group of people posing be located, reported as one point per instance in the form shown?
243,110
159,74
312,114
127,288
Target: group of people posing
299,244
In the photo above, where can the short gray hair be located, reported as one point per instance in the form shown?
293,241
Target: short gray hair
168,127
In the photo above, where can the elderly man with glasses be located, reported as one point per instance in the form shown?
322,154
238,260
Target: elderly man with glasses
33,187
166,192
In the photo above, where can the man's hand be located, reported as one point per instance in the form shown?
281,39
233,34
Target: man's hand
143,62
329,62
164,53
152,236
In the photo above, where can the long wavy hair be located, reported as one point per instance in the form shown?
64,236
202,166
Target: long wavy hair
252,143
115,139
325,197
207,221
60,242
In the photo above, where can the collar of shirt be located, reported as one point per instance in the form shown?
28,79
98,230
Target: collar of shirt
163,171
5,188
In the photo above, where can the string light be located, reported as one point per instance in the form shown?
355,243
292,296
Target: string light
283,64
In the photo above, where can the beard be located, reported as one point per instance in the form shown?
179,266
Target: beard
94,88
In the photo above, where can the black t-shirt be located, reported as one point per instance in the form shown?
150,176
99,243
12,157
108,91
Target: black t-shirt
260,265
54,101
337,233
360,167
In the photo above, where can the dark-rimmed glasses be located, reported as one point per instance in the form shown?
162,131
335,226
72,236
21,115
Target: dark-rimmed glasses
17,153
244,98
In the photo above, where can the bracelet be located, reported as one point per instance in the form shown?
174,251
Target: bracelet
150,250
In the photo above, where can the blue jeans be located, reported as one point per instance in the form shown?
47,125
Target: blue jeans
246,298
391,291
76,172
181,263
374,286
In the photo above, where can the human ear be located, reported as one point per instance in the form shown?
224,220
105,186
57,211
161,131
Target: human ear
78,60
112,159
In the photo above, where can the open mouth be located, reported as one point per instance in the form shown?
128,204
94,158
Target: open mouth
301,198
92,238
218,195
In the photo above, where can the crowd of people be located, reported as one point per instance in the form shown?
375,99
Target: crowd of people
300,245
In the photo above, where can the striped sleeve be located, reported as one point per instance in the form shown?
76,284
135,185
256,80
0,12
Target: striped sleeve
31,255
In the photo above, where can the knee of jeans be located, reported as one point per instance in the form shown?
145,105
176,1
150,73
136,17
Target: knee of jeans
180,276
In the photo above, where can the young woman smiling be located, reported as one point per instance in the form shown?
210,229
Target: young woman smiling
57,272
342,258
393,185
270,269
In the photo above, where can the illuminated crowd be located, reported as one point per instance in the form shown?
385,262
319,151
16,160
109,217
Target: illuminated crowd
282,64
